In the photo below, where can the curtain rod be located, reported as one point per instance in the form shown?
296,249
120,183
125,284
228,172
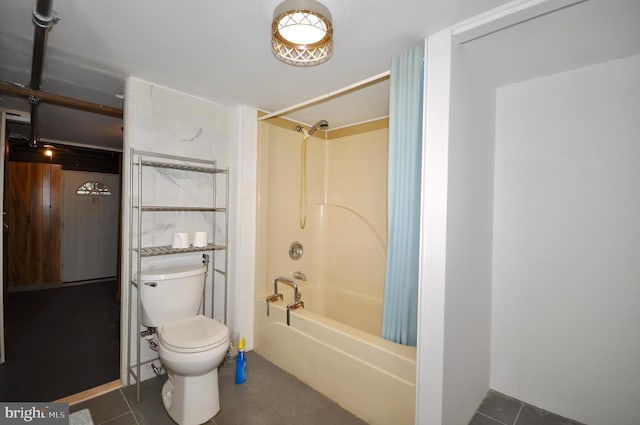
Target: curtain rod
56,99
351,87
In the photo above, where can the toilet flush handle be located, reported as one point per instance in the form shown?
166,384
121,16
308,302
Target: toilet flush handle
152,284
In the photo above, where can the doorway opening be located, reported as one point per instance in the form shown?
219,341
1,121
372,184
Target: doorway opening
61,275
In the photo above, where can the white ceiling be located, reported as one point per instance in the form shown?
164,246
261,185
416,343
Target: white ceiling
586,33
220,50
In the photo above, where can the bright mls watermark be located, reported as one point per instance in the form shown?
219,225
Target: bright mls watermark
34,413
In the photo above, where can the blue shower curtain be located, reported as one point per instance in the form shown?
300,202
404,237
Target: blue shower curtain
399,316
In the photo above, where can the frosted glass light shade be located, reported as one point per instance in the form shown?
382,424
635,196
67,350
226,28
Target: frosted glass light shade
301,33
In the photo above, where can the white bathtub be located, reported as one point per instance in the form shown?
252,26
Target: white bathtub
367,375
342,305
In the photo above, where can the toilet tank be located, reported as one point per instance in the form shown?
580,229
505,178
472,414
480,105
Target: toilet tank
169,294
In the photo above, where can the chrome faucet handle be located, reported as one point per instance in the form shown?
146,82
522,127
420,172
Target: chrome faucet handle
273,298
294,306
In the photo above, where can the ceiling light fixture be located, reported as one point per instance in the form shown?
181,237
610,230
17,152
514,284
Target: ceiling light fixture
301,33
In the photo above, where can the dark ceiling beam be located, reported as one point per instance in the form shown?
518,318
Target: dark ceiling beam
56,99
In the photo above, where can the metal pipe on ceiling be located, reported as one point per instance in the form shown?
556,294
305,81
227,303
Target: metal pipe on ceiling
58,100
43,19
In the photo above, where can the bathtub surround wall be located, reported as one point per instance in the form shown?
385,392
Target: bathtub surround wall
161,120
334,344
279,180
566,255
345,237
353,235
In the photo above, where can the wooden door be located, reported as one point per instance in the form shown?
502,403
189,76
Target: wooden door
34,218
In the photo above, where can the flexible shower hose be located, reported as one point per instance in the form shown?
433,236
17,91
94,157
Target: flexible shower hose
303,182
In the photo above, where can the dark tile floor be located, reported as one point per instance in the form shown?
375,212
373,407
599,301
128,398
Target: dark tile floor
499,409
60,341
270,396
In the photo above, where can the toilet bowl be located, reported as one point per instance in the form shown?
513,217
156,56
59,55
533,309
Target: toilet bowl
191,350
190,345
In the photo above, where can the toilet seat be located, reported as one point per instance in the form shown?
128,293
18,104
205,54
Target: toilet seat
193,335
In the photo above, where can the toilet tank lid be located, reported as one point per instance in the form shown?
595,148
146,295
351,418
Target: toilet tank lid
172,272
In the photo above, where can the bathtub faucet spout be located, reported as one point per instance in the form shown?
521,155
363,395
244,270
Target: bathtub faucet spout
297,295
299,275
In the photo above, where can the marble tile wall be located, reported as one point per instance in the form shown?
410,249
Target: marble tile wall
165,121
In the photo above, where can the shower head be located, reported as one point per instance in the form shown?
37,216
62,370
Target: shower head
323,124
320,124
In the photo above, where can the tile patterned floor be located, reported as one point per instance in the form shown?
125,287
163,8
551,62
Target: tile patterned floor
270,396
499,409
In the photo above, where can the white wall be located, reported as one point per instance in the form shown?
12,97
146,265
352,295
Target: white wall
566,262
455,274
162,120
469,238
243,226
433,230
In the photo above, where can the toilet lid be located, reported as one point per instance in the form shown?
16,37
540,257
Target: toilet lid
197,332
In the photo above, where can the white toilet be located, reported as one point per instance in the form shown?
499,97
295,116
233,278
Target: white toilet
191,346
